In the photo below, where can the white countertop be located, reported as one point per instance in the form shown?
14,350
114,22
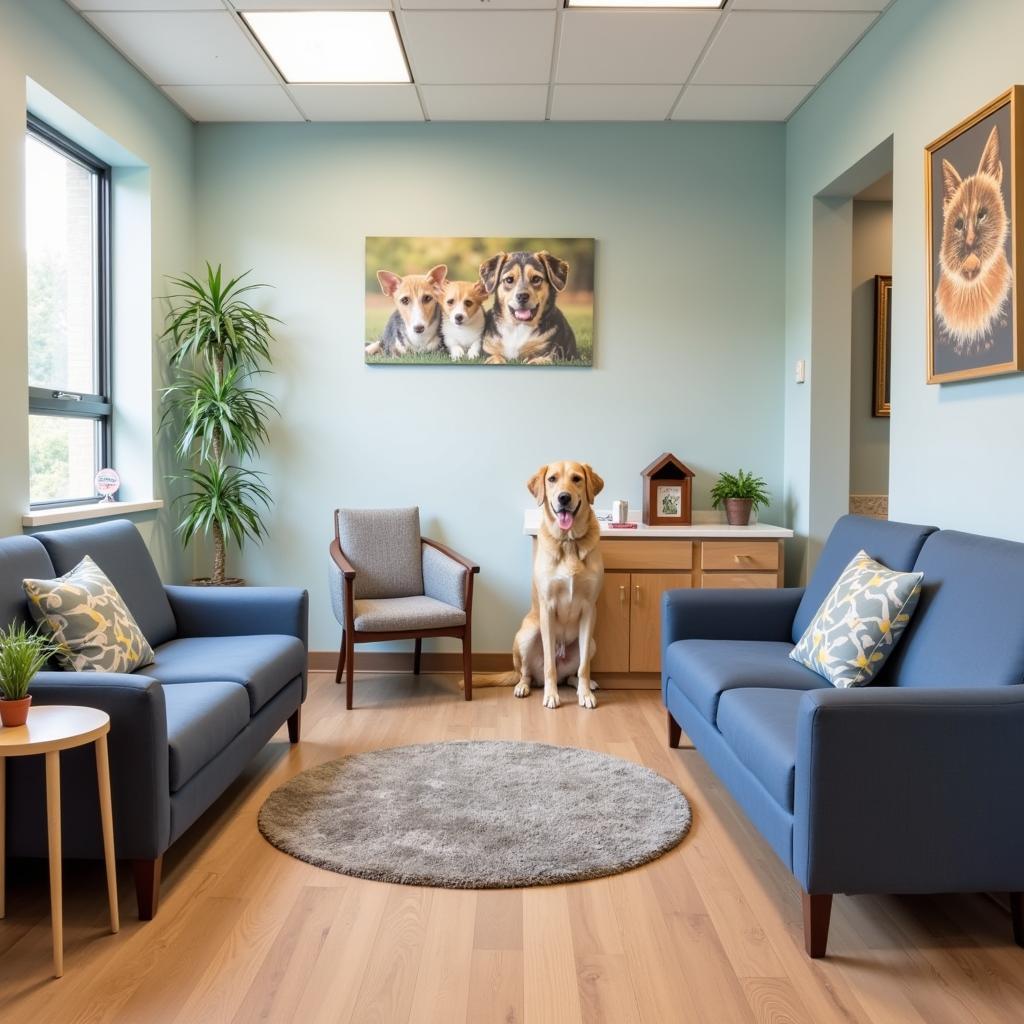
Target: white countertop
705,524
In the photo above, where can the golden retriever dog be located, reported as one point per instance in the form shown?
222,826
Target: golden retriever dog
556,640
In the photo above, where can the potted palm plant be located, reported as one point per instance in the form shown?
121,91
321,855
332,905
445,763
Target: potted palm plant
740,493
23,653
219,344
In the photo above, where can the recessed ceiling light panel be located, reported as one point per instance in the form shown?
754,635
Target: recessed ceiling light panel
331,46
689,5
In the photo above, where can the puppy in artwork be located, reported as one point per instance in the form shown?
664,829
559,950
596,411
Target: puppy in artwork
464,318
415,325
556,639
974,285
525,323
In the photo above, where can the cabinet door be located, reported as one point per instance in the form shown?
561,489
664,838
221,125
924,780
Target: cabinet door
645,616
612,633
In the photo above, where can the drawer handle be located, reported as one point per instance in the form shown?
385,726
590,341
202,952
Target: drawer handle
742,558
637,588
622,594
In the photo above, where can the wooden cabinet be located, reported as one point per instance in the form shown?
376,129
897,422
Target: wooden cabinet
645,617
612,653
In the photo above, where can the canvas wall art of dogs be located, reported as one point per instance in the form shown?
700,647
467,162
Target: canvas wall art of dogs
415,325
464,319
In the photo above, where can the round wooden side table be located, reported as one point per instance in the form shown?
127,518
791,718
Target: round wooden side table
50,730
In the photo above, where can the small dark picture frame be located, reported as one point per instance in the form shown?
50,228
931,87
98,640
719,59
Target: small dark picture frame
881,397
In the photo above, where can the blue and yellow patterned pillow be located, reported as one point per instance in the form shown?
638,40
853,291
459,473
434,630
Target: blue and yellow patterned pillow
859,623
91,625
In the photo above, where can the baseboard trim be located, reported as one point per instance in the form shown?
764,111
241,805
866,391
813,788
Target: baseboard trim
451,661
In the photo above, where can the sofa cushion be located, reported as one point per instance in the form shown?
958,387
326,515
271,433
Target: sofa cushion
760,728
704,669
20,558
860,622
405,613
968,629
118,549
92,627
264,665
896,545
202,719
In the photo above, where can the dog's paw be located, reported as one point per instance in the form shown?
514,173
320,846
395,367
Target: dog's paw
586,696
522,690
551,699
456,354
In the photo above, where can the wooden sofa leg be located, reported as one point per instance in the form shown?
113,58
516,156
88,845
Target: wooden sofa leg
341,659
1017,915
295,725
147,886
417,651
675,730
817,913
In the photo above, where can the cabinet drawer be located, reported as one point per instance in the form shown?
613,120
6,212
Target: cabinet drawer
647,554
743,580
740,555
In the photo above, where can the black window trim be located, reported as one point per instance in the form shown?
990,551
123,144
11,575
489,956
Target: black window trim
98,407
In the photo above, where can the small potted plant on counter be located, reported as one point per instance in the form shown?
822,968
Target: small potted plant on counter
23,653
740,493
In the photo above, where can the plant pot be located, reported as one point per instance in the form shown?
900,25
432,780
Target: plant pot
230,581
15,712
737,511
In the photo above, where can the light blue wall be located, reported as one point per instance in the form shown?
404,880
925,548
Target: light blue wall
689,334
47,42
925,66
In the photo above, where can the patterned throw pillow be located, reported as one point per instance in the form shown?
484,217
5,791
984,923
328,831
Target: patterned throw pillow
88,620
858,624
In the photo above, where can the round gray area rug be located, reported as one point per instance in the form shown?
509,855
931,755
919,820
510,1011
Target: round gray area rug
476,815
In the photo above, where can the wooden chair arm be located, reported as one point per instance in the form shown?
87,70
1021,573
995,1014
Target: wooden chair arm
341,561
453,555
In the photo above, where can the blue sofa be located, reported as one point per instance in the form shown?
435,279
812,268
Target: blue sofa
230,670
914,784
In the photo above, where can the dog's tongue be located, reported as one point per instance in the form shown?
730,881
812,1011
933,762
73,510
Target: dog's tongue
524,314
564,520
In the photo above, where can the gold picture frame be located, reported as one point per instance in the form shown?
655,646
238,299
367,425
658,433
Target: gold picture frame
966,350
881,401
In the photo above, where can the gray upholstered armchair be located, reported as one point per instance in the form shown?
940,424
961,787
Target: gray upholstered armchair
389,583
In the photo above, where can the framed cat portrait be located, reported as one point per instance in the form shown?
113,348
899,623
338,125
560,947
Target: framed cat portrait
972,184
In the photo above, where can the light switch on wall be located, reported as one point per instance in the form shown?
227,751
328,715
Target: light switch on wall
800,374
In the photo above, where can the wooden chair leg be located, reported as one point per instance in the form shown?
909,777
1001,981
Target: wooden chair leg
675,730
467,664
416,656
350,668
341,659
817,913
295,725
1017,915
147,886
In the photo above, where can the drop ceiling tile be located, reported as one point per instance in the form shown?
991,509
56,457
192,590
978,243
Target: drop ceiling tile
234,102
474,5
739,102
485,102
377,102
195,48
612,102
780,48
148,5
312,5
479,47
810,5
651,46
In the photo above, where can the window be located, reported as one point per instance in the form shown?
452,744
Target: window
67,233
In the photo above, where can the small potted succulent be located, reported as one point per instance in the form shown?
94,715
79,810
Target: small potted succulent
23,652
740,493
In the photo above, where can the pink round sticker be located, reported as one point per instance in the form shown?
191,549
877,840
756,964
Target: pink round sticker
107,483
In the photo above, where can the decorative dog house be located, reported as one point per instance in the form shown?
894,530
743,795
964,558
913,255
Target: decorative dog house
668,492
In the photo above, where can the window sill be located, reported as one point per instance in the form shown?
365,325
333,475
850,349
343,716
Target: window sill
79,513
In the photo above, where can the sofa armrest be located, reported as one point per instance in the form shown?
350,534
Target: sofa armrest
139,770
910,790
729,614
240,611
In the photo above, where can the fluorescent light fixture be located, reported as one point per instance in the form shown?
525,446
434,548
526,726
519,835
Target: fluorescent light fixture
688,5
331,46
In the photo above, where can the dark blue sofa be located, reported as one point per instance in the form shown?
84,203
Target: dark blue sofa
230,670
914,784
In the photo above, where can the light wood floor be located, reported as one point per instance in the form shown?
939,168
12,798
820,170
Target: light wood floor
710,932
